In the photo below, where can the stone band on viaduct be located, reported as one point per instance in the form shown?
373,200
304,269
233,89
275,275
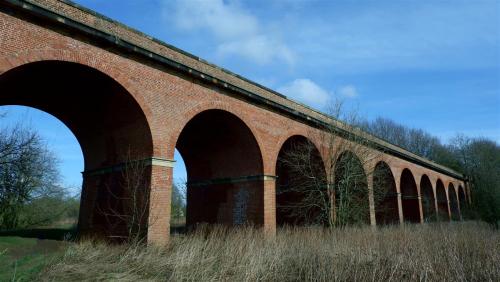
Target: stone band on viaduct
128,97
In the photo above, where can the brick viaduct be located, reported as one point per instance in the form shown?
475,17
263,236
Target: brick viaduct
127,96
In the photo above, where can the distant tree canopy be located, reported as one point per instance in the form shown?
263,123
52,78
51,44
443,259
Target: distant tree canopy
479,159
413,140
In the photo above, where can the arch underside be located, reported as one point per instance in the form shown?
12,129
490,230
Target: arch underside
385,195
351,190
428,200
301,185
409,197
455,212
106,120
442,202
224,169
462,198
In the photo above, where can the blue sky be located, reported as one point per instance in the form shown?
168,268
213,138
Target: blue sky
434,65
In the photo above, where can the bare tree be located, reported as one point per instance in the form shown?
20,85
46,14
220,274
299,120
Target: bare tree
330,190
412,139
479,159
179,203
28,170
128,202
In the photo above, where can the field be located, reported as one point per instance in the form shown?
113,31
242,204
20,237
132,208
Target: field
467,251
22,259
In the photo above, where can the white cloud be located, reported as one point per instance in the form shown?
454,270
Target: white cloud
224,20
236,31
260,48
306,91
348,91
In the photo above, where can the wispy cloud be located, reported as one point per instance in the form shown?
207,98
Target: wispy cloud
348,91
237,31
306,91
395,35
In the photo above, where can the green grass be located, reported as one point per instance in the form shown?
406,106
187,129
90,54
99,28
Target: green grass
22,259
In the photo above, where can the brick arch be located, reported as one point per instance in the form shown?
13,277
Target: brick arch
86,114
428,198
453,201
462,197
107,120
290,181
289,134
395,170
353,154
224,167
89,59
442,200
215,105
409,196
385,194
349,163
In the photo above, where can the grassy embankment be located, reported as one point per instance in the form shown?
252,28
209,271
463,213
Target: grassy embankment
25,253
435,252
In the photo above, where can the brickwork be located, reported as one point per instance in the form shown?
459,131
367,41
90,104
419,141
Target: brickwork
144,108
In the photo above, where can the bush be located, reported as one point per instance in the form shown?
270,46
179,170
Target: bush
48,211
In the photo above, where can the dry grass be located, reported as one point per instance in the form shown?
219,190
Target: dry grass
448,252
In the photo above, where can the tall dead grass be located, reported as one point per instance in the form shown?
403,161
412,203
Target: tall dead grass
432,252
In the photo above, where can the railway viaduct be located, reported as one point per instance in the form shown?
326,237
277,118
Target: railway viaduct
128,97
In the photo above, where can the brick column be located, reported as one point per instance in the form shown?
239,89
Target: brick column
159,205
371,201
436,206
400,202
420,206
400,209
270,205
447,189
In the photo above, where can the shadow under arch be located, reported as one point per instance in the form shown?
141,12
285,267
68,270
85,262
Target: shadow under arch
301,186
107,121
351,190
224,170
442,201
452,195
462,198
385,195
428,200
409,197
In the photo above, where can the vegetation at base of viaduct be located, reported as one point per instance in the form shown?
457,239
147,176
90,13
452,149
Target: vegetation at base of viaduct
459,251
